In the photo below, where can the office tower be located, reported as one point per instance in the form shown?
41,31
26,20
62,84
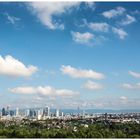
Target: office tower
34,113
30,113
62,114
7,111
46,111
17,111
11,113
39,114
3,112
27,113
57,112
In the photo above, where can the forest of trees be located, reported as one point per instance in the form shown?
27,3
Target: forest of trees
97,130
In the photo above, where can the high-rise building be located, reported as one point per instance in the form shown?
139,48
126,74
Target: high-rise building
3,112
46,111
39,114
27,113
11,113
31,113
62,114
34,113
57,113
17,111
8,111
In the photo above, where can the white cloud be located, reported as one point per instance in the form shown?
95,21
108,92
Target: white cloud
92,85
114,12
128,20
81,73
46,10
102,27
90,5
46,91
120,32
13,67
82,38
12,19
123,98
134,74
131,86
23,90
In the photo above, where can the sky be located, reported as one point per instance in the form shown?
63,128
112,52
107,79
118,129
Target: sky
70,54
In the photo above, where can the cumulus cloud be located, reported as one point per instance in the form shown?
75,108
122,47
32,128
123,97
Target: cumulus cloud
13,67
81,73
23,90
131,86
134,74
46,10
46,91
114,12
82,38
102,27
123,98
128,20
12,19
90,5
120,32
92,85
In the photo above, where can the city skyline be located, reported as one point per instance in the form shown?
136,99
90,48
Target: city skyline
70,54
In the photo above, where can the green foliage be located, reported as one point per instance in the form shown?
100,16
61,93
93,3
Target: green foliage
43,130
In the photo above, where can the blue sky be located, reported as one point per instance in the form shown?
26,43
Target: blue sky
70,54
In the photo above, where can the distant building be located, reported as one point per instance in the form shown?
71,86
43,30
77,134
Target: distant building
17,111
3,112
8,111
57,113
46,111
11,113
27,113
39,114
32,113
62,114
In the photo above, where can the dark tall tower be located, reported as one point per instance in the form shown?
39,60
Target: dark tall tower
3,112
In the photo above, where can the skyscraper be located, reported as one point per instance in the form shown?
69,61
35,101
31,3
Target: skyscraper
27,113
17,111
46,111
7,111
39,114
3,112
62,114
57,112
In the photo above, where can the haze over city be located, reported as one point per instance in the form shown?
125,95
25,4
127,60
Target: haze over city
70,54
